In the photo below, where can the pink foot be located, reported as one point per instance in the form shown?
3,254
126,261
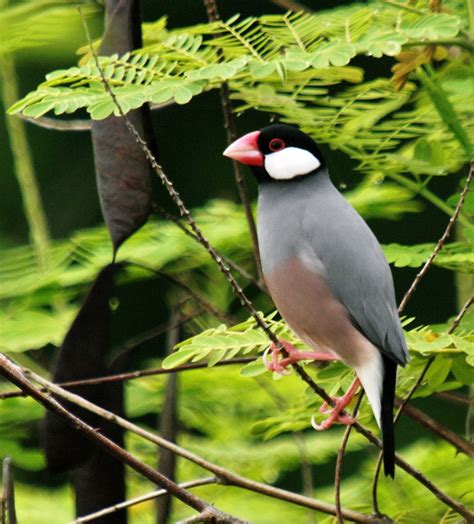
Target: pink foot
335,414
294,355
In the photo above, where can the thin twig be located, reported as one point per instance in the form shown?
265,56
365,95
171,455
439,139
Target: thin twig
227,260
8,492
196,296
55,124
131,375
461,314
461,444
455,398
236,479
13,373
458,507
141,499
231,131
224,476
340,457
440,243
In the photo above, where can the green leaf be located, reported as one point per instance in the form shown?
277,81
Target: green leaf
253,369
446,110
102,109
260,70
182,95
38,109
435,26
161,94
335,53
178,358
463,370
380,44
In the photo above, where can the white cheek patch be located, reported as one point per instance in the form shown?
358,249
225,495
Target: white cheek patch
290,162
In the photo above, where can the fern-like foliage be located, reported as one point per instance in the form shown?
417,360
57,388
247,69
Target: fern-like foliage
452,366
289,65
290,49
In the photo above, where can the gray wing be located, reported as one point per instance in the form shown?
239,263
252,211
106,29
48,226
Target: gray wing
358,273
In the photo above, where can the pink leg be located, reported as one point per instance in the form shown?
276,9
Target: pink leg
294,355
335,414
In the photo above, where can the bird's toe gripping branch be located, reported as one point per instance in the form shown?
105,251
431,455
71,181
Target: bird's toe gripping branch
279,365
335,416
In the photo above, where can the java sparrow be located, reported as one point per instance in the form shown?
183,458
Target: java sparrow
325,271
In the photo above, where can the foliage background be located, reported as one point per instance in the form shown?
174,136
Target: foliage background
226,417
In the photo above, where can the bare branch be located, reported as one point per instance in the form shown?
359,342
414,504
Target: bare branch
461,314
57,124
131,375
440,243
13,373
196,296
82,124
461,444
227,260
8,492
142,498
455,398
168,424
224,476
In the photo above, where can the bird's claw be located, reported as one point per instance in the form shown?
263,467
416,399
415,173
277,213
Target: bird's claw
275,365
294,355
346,420
340,403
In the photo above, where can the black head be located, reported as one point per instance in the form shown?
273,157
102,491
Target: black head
277,152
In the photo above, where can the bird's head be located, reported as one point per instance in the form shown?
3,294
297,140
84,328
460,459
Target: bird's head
277,152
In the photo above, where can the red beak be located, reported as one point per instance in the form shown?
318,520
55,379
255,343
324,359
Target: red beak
245,150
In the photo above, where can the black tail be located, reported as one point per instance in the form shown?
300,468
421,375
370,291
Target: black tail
388,398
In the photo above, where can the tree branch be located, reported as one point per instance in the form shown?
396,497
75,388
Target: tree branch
196,296
227,260
142,498
224,476
131,375
440,243
13,373
455,398
80,124
461,444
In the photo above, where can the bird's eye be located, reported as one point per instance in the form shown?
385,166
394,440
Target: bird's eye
276,144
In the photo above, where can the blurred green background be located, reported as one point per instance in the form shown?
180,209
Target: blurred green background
191,141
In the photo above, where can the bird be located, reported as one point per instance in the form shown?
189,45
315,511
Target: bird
326,273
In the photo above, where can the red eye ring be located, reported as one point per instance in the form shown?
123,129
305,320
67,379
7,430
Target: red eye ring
276,144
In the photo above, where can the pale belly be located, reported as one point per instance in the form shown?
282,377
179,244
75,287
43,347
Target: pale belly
315,315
